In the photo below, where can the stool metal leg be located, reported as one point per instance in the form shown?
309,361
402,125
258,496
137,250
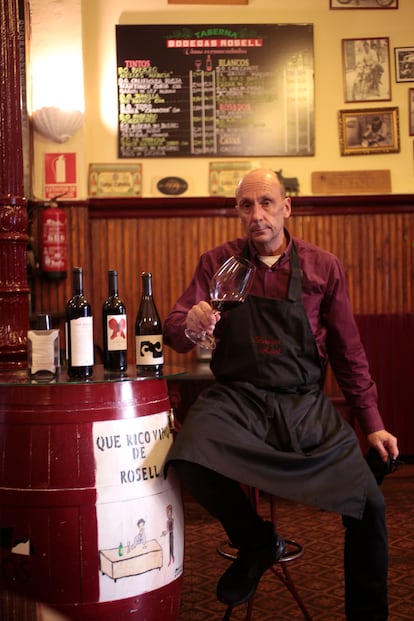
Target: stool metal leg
227,614
293,551
249,610
282,573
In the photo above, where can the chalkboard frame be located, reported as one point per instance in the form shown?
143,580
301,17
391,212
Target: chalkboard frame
216,91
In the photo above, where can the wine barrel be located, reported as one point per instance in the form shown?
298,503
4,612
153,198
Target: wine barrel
88,523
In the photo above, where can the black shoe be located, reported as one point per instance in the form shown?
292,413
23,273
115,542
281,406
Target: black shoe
239,582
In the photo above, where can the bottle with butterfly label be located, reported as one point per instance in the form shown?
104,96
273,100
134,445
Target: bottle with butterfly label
148,333
114,325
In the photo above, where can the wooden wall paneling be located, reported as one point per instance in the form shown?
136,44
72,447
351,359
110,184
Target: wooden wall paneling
325,233
367,262
393,258
79,243
131,267
299,226
348,260
360,253
379,252
383,300
397,265
98,268
375,246
175,265
407,268
108,252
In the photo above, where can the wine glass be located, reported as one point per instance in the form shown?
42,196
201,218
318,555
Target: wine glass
229,287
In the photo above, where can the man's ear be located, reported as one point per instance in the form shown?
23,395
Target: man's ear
287,207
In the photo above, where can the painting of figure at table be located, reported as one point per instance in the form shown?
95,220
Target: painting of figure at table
140,554
140,538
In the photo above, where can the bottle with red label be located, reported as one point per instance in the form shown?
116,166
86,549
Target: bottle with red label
54,242
114,324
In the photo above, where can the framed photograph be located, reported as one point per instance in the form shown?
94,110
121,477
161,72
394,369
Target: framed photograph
411,110
366,69
368,131
363,4
404,64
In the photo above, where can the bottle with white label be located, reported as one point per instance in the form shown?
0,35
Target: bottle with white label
148,333
79,331
114,324
43,350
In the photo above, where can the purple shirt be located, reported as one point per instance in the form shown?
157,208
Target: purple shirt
326,299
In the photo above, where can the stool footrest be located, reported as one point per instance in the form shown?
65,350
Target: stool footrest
293,550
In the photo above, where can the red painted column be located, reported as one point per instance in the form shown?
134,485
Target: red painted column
14,290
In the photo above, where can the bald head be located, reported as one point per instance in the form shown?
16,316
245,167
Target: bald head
260,176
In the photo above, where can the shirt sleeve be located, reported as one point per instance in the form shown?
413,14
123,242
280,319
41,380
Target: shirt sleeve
346,352
197,290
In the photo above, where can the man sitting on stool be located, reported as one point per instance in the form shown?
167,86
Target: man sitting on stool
266,423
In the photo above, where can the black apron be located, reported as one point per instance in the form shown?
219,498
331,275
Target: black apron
266,422
269,342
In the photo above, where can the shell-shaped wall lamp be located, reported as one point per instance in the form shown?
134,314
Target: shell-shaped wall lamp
57,124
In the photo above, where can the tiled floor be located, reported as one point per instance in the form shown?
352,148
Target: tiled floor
317,574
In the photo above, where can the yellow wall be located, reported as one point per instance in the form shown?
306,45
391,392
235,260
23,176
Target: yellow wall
96,142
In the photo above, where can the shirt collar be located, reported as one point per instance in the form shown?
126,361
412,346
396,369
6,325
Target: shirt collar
285,254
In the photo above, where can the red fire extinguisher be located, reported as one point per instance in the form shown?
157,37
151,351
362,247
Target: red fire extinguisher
54,241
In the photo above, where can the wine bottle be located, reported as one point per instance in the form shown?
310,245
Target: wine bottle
148,333
79,330
43,350
114,324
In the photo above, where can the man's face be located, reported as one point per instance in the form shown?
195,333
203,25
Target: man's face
263,208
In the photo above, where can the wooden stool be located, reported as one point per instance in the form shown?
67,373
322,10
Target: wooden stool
293,551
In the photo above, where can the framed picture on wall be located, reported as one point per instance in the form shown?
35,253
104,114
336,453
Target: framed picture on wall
363,4
404,64
411,110
366,69
368,131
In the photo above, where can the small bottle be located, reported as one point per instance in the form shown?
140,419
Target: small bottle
114,325
148,333
43,350
79,331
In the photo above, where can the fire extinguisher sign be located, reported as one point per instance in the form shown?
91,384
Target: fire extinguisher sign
60,175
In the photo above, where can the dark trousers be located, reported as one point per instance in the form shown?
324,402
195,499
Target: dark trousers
366,550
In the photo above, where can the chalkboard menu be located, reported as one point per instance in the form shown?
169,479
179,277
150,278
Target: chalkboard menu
215,91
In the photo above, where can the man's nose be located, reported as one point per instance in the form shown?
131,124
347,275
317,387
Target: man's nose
257,211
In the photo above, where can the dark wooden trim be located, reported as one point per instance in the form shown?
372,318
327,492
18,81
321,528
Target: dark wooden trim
205,206
224,206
